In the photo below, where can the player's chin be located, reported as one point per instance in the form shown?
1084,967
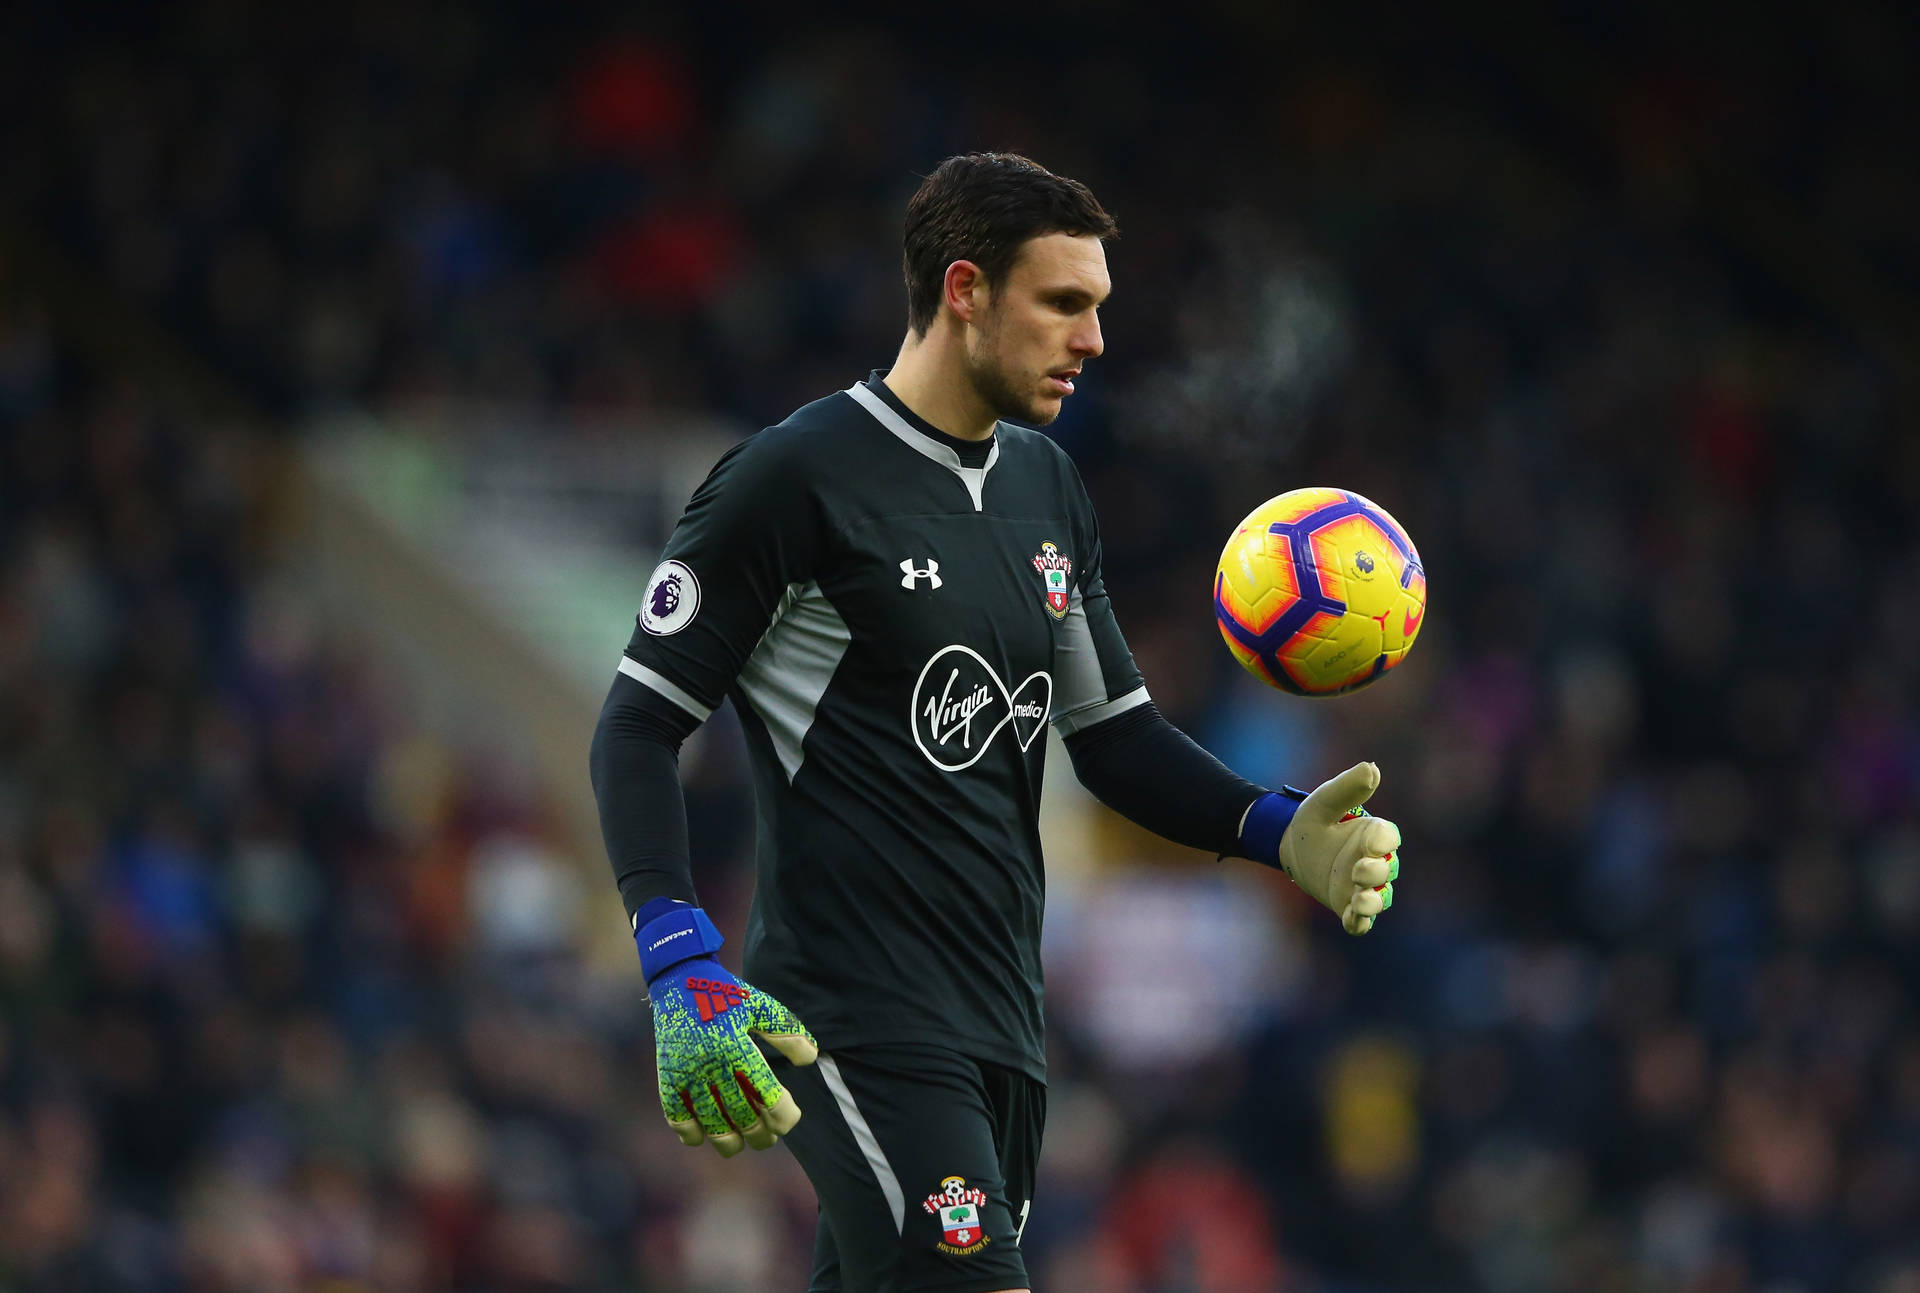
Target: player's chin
1042,409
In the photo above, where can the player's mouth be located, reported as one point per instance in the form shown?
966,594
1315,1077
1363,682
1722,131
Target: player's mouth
1062,381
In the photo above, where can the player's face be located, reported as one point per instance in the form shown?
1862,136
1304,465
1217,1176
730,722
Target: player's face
1039,327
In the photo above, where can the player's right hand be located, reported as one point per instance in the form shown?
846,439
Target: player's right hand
715,1085
1339,853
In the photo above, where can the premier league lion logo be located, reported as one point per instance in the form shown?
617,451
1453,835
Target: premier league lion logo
673,596
664,600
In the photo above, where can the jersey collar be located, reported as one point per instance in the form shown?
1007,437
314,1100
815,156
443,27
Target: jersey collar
974,478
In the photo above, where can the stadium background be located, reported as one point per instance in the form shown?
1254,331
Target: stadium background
353,362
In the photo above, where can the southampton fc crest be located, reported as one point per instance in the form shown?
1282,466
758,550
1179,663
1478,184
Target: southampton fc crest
958,1207
1056,569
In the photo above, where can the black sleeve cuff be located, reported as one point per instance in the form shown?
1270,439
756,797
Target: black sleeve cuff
1150,772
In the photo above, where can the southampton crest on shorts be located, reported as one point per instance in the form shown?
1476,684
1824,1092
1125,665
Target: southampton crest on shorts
1056,569
958,1206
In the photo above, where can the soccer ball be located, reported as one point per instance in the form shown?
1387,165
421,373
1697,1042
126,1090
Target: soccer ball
1319,592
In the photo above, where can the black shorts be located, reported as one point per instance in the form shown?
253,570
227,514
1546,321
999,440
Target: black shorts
923,1161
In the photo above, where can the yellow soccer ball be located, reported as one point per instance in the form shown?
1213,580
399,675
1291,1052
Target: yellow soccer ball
1319,592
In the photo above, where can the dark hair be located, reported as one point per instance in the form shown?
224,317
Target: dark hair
981,207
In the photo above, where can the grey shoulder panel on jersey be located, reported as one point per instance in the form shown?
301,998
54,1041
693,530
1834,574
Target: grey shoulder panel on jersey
1080,691
789,671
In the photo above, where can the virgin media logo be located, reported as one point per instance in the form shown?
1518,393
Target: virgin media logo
960,705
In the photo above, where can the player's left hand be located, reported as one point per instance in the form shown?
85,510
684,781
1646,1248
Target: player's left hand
1339,853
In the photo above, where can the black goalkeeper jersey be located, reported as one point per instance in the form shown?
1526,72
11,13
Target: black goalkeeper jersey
896,630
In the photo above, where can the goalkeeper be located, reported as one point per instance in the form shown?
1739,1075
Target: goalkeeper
900,588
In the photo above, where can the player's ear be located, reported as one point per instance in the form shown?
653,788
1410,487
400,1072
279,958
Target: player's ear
966,290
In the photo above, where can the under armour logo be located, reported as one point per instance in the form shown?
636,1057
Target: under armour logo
908,574
714,996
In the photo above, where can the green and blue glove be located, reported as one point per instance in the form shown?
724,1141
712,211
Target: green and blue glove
715,1085
1343,856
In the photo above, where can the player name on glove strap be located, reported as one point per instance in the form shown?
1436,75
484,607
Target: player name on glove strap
678,935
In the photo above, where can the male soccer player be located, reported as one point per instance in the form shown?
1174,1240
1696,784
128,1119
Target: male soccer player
900,589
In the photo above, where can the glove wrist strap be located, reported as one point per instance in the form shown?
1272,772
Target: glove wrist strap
1266,822
679,935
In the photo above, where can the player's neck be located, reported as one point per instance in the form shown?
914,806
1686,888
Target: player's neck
929,378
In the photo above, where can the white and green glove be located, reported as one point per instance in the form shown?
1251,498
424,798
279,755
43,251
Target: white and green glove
1341,855
1329,844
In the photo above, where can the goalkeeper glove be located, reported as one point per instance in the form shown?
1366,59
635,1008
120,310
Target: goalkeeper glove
1330,845
715,1085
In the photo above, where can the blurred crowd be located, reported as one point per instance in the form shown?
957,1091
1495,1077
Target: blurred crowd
292,993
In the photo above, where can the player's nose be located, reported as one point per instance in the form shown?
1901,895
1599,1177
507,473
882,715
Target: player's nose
1087,341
